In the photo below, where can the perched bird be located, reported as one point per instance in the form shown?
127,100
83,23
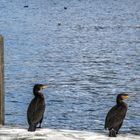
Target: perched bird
36,108
116,115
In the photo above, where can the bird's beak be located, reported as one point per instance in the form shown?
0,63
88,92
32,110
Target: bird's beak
44,86
125,97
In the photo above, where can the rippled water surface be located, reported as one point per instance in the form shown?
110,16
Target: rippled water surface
88,51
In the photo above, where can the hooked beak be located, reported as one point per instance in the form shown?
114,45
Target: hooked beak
44,86
125,97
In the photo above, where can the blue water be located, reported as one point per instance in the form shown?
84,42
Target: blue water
87,54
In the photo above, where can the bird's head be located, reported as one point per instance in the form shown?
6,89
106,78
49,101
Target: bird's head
38,87
122,96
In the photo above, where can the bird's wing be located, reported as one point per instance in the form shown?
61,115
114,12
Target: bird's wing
35,111
115,117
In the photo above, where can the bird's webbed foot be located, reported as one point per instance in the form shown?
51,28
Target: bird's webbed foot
112,133
117,132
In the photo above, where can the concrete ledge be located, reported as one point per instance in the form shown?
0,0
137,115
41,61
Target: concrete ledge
14,133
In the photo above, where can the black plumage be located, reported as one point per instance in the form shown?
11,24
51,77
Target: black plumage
116,115
36,108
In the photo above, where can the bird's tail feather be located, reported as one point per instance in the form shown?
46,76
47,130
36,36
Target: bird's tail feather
32,128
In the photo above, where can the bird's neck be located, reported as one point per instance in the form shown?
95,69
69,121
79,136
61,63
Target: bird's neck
37,93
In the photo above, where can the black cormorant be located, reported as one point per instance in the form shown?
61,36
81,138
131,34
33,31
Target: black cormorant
36,108
116,115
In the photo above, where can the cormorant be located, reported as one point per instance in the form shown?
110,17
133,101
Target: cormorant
36,108
116,115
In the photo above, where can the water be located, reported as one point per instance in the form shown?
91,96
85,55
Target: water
87,53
